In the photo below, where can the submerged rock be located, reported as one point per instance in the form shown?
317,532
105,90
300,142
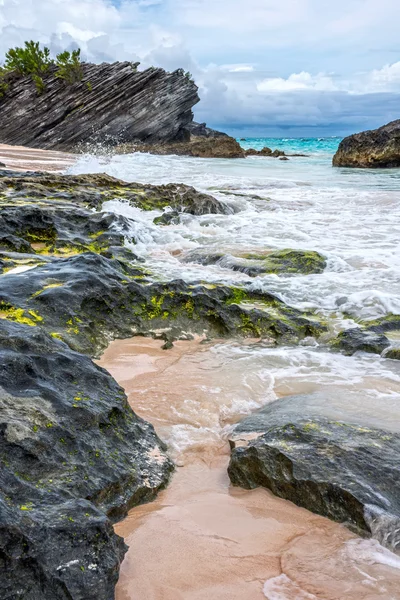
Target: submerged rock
393,353
280,262
74,458
379,148
344,470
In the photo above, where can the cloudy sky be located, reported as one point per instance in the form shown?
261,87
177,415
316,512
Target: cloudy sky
264,67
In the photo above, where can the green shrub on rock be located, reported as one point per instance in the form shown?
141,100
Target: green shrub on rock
34,62
69,66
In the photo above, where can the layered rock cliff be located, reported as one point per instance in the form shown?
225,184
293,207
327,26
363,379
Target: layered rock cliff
378,148
113,104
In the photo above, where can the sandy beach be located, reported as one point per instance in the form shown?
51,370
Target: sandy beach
20,158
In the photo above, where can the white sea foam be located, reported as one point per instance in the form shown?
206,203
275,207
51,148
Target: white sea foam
304,205
283,588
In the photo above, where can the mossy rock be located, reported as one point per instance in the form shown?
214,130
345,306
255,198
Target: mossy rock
393,354
281,262
356,339
387,323
296,262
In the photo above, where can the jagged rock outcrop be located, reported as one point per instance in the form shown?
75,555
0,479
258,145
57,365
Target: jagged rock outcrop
201,130
112,105
344,469
378,148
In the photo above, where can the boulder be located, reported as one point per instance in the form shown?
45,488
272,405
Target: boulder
379,148
74,459
200,147
341,468
354,340
280,262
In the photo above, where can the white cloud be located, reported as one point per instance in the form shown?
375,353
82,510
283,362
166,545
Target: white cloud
292,62
298,82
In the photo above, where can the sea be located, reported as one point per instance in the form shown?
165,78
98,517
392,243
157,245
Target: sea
350,216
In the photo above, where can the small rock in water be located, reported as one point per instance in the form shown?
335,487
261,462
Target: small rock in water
345,470
354,340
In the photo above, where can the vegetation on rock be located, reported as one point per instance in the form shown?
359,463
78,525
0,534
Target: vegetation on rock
35,62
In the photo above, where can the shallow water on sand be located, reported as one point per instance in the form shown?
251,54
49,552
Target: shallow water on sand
202,538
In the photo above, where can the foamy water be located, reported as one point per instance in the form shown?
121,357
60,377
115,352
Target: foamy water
352,217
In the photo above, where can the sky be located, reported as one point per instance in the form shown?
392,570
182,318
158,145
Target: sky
264,67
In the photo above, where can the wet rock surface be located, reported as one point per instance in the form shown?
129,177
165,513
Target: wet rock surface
280,262
114,104
344,469
201,146
378,148
74,458
356,339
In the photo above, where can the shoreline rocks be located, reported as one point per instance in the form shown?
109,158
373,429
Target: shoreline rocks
375,149
279,262
219,146
342,469
74,459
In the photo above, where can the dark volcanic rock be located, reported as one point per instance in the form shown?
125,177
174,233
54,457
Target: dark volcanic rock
119,105
354,340
92,191
379,148
74,458
344,469
87,300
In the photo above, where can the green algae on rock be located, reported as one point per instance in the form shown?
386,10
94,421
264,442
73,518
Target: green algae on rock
353,340
280,262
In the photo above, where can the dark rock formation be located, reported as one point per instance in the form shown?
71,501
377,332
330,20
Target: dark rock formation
200,147
354,340
74,458
93,190
201,130
393,353
345,470
379,148
113,104
281,262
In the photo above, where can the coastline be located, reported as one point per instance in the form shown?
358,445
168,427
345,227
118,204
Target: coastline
203,538
22,158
